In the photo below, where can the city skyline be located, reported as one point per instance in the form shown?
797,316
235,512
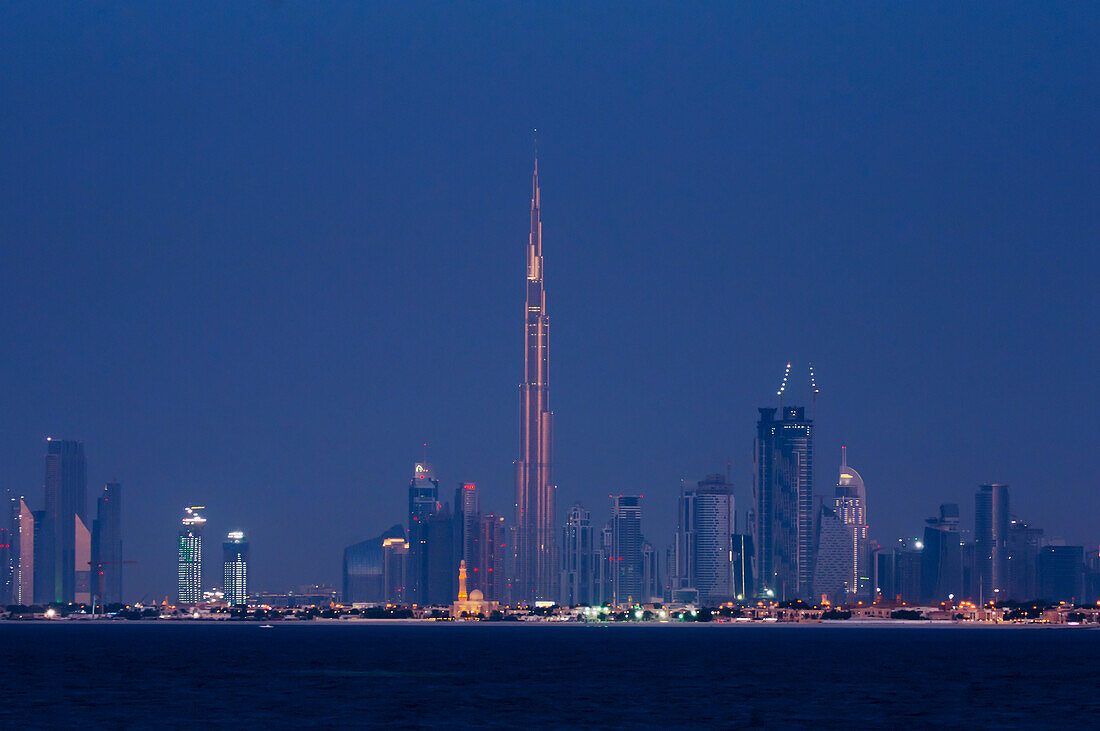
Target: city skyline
259,289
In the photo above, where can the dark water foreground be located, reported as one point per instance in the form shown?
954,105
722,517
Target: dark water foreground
145,675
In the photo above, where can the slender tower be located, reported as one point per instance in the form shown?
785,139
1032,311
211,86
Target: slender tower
536,557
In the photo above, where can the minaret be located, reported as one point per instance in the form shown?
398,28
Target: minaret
536,559
462,595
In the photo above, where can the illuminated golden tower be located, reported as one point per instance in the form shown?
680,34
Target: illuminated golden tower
462,596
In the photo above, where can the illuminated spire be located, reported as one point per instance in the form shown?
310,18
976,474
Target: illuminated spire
462,595
534,242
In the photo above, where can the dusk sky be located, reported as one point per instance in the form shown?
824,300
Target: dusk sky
257,253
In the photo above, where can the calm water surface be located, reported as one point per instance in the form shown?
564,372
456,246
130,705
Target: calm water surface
145,674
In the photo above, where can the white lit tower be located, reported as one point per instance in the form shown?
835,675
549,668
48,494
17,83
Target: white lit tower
850,503
235,574
190,556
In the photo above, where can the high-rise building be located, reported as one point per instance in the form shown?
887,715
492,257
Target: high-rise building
9,551
66,487
627,561
991,513
833,569
1062,573
423,504
395,561
703,550
900,579
235,568
743,556
492,549
1024,543
577,537
107,546
466,532
364,568
784,493
190,556
43,552
941,558
82,588
442,562
24,567
536,557
24,583
652,588
850,503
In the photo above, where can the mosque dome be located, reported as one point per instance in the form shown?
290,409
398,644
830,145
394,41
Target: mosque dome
477,596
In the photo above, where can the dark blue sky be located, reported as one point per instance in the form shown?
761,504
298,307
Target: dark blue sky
255,255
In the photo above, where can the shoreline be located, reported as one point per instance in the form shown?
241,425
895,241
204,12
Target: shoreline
823,624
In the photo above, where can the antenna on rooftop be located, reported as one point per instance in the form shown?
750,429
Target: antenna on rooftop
813,392
783,385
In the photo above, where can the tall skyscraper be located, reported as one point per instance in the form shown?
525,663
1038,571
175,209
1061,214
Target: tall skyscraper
536,557
577,538
107,546
9,550
235,568
25,581
442,561
850,504
42,578
652,587
627,561
834,558
66,487
784,512
423,504
395,562
704,559
1023,544
190,556
492,549
941,558
82,586
991,516
466,532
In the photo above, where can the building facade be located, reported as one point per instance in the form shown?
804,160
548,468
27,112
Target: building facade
423,504
467,519
626,559
107,559
833,568
942,558
991,518
577,551
493,551
703,550
235,568
784,512
850,504
189,557
66,497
